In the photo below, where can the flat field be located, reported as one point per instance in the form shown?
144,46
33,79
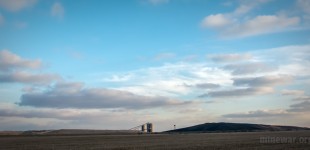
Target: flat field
234,140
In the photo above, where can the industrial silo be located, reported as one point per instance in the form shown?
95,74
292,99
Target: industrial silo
143,128
149,127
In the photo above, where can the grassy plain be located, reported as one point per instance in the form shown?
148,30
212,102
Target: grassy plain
233,140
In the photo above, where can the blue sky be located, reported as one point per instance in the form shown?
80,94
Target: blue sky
65,64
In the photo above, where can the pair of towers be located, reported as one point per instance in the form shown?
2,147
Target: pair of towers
147,127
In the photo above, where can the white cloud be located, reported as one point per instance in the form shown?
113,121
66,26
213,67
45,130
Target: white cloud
257,73
258,114
169,79
14,69
163,56
57,10
118,78
157,2
293,92
261,25
230,57
239,24
294,59
216,21
16,5
9,61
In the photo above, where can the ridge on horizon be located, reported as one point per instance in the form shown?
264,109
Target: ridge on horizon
236,127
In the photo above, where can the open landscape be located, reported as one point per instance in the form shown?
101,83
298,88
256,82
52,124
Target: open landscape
233,140
154,74
202,136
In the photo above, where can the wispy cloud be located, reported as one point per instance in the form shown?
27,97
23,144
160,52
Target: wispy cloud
262,81
293,92
304,5
250,86
303,104
294,112
270,116
300,107
15,111
261,25
47,118
16,5
249,68
21,24
207,85
18,117
242,74
118,78
302,98
237,24
203,86
10,61
230,57
240,92
297,115
255,26
190,58
57,10
157,2
247,6
2,20
173,79
258,114
163,56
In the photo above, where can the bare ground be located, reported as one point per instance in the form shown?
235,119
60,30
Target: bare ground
234,140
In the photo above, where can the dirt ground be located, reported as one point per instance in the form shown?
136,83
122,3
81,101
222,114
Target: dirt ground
239,140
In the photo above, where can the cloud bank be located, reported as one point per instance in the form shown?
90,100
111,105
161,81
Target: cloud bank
73,95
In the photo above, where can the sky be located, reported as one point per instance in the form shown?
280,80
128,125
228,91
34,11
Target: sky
116,64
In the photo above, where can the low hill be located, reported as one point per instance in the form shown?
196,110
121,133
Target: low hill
92,132
235,127
70,132
79,132
10,132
